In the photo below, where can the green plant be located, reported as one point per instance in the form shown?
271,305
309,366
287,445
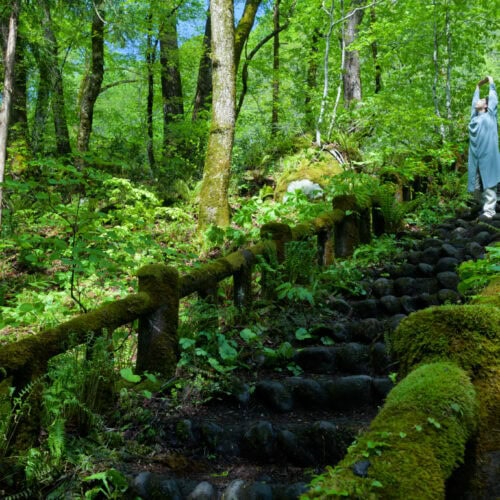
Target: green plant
111,484
475,275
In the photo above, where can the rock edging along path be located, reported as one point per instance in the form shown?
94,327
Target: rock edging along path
266,442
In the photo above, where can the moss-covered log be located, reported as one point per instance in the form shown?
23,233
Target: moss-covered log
413,444
157,349
470,336
28,357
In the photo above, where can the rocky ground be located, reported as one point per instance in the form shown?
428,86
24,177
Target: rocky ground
273,432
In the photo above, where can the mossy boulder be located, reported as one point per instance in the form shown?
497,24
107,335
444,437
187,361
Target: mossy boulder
413,444
316,166
466,334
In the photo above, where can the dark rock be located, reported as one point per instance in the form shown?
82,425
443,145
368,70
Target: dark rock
259,441
349,392
327,441
448,250
424,269
233,490
379,358
408,304
353,358
483,238
306,392
426,300
426,285
367,329
391,304
203,491
360,468
338,332
383,286
255,491
381,386
212,434
414,256
459,234
431,255
316,359
275,395
293,449
474,249
394,321
446,264
448,279
432,243
367,308
405,269
339,305
404,286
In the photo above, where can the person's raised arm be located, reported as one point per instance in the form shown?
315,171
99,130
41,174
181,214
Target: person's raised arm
475,98
492,97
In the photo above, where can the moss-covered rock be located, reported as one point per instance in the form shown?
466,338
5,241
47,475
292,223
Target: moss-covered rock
413,444
318,168
467,334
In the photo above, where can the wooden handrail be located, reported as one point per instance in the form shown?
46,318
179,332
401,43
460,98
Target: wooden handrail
157,303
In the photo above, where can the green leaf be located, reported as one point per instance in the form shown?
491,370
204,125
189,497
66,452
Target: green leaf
129,376
248,335
302,334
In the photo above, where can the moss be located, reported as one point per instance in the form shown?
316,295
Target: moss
468,335
319,171
413,444
490,295
157,349
345,202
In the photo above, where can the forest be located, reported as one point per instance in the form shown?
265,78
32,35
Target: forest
136,132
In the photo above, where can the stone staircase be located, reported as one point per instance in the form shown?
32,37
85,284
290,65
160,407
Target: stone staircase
267,439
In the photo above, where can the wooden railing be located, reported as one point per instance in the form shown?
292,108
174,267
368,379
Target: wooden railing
156,305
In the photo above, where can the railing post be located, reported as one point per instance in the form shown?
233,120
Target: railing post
347,231
325,247
157,350
281,234
242,283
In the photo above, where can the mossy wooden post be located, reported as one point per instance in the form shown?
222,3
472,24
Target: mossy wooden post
365,226
347,234
242,283
326,244
157,350
378,221
280,234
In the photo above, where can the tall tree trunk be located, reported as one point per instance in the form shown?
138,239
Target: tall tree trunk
312,82
19,115
352,74
202,99
92,82
9,63
244,28
276,68
150,60
63,145
42,102
241,34
214,205
171,85
435,83
376,63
